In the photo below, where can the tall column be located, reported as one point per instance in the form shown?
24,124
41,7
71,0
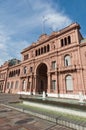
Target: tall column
34,84
20,88
49,82
26,84
3,86
57,87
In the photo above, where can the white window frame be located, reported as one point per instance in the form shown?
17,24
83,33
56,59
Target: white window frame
53,85
69,83
67,60
53,64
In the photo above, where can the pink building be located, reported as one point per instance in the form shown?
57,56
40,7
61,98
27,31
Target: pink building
55,64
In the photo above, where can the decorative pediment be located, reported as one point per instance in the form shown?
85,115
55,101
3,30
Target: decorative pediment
43,37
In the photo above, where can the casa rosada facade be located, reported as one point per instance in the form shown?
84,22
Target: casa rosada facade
55,64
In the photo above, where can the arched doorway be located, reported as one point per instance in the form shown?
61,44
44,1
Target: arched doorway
41,78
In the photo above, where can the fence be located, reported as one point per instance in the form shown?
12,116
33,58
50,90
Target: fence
61,120
57,119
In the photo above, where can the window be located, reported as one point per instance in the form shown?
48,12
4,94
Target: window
31,68
26,57
8,85
65,41
53,84
23,85
69,39
12,83
42,50
69,83
48,48
67,60
36,52
16,84
14,72
54,65
62,43
10,74
25,70
18,72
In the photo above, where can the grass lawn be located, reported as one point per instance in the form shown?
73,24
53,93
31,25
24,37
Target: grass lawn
48,112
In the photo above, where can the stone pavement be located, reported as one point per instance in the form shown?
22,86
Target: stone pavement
11,119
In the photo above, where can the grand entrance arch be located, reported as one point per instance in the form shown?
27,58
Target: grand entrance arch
41,79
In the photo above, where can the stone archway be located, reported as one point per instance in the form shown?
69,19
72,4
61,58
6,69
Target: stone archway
41,79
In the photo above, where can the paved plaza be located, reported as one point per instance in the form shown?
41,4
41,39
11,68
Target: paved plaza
11,119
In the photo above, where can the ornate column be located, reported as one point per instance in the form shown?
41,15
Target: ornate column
26,84
57,86
20,88
34,84
49,82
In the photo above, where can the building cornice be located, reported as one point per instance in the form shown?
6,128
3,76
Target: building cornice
51,36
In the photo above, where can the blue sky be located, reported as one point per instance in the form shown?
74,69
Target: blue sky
21,22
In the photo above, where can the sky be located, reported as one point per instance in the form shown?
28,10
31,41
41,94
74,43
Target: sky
23,21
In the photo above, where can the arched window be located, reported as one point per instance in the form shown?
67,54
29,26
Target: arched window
67,60
8,85
69,39
16,84
65,41
25,70
69,83
12,83
10,74
18,72
36,52
62,43
48,48
42,50
14,72
24,85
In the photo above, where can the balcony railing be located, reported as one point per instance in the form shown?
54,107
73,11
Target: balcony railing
69,68
22,74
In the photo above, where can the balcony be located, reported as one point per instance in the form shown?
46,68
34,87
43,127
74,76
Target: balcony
71,68
53,70
24,75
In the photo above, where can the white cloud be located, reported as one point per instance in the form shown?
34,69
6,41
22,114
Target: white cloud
32,16
10,49
57,21
19,21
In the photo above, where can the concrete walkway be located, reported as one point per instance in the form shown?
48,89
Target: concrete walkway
14,120
11,119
